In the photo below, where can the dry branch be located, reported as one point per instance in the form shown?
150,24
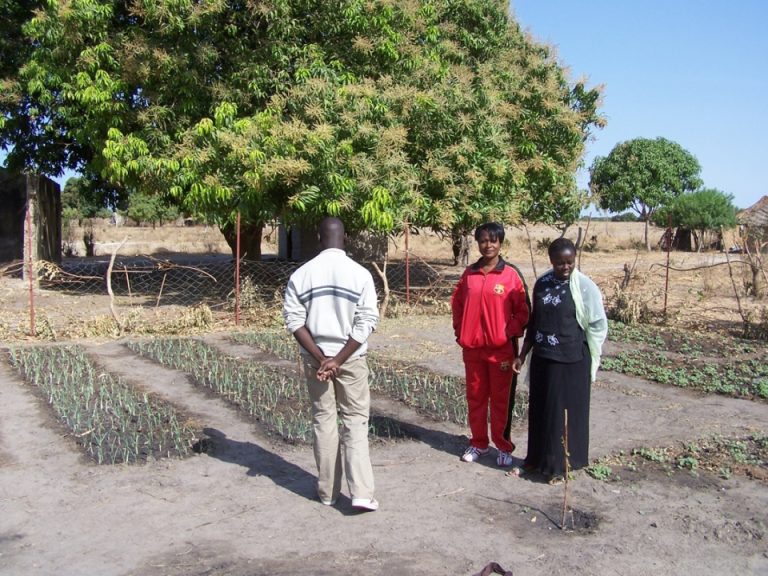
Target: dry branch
109,287
383,275
735,290
530,250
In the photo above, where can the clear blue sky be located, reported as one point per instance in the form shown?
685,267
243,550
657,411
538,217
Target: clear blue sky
691,71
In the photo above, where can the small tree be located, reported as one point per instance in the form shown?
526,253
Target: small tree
84,198
150,208
643,175
706,211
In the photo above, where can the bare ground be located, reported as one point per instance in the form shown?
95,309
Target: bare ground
248,506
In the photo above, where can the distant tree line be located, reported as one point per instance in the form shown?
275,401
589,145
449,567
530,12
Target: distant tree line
80,202
660,182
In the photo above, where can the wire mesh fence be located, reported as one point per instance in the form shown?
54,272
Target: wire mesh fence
211,280
130,288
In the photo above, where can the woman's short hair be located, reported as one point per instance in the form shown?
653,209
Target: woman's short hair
560,245
494,229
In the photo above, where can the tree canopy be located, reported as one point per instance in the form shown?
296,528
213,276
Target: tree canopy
704,211
437,113
642,175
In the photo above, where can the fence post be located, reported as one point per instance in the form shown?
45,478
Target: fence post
407,264
237,270
668,234
30,268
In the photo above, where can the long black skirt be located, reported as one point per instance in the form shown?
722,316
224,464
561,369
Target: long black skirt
554,388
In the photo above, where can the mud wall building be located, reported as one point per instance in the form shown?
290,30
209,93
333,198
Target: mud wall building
30,218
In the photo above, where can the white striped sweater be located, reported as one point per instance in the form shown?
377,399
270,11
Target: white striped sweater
335,298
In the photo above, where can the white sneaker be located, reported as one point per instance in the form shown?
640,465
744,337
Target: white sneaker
369,504
504,459
327,502
473,454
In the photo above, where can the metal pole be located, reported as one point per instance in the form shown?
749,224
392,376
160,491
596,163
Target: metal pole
237,271
669,248
30,270
407,264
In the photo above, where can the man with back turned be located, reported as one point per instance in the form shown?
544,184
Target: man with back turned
330,307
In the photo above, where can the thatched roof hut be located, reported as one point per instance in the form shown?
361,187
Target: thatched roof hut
754,221
756,215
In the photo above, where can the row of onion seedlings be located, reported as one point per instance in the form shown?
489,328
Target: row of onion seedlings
111,420
440,396
277,399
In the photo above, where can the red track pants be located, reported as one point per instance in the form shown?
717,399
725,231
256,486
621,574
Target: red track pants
489,382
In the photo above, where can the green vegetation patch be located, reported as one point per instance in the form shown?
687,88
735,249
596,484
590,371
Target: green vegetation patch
111,420
676,340
439,396
277,399
724,457
713,364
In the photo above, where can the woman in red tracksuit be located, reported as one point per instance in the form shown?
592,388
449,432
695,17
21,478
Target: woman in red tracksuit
490,308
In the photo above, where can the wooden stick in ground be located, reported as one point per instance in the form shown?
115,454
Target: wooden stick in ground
580,246
109,287
383,275
758,261
567,468
530,251
744,318
160,294
758,251
128,282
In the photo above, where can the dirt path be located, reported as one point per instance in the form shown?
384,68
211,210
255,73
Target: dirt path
248,507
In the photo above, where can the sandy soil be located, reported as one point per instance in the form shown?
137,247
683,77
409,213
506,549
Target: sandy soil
248,507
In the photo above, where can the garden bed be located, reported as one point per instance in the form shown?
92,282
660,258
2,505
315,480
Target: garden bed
109,419
710,363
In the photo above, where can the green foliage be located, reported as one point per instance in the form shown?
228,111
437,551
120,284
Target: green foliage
112,421
705,210
144,208
688,463
278,400
69,213
440,113
642,175
87,198
718,364
599,471
652,454
624,217
746,455
441,397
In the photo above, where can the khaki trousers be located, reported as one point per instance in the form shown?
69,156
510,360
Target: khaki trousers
346,397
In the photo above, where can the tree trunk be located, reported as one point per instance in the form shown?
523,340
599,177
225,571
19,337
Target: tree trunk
647,240
250,239
757,288
697,240
456,238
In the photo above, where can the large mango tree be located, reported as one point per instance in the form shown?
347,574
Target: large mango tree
434,113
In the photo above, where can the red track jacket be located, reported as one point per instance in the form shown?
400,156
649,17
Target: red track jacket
490,311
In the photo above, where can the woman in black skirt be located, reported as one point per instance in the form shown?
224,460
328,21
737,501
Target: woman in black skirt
565,337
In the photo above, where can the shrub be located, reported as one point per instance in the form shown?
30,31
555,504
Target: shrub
624,217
